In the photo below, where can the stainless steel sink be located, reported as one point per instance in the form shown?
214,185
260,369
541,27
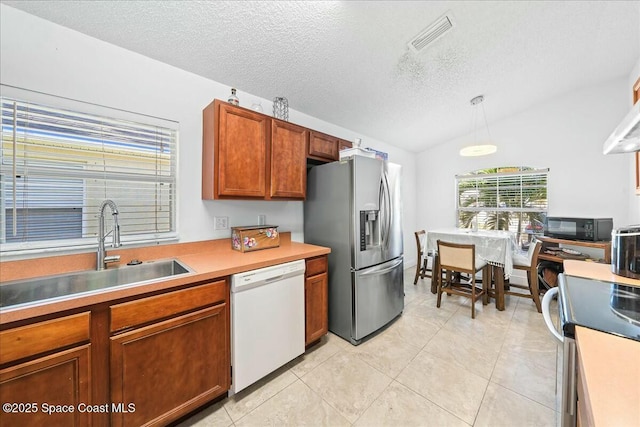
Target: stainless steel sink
28,291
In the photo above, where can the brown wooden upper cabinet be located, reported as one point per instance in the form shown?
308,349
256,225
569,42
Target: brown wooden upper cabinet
248,155
342,145
288,162
323,147
234,152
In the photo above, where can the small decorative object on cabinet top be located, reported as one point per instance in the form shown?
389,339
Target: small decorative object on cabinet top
257,106
233,99
281,108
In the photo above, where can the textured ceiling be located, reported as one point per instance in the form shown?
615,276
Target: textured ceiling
347,62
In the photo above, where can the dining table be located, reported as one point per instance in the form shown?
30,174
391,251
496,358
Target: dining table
496,247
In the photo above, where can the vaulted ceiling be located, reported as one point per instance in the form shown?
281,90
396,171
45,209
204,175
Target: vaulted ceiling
348,62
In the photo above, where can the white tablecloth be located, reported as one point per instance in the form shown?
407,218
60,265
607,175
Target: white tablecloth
494,246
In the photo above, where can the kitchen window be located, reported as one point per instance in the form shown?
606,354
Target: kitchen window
506,198
61,158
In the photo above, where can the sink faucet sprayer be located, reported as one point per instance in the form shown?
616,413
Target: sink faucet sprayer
102,260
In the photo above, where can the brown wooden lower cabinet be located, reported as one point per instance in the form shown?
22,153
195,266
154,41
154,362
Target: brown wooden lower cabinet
143,361
48,391
316,297
165,370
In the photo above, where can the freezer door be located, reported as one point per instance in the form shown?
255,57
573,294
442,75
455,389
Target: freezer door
366,196
378,297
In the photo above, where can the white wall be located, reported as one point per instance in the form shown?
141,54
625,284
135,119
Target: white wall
41,56
564,134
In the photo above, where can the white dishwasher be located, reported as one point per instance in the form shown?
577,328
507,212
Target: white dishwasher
267,321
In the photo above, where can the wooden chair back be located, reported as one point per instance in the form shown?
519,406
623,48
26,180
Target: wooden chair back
457,257
420,243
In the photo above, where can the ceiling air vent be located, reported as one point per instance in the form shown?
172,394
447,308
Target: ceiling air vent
432,33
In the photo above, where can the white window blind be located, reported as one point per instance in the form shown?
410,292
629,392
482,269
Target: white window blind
57,165
509,198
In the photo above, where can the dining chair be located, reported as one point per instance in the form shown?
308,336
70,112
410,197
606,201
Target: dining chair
422,265
528,262
461,258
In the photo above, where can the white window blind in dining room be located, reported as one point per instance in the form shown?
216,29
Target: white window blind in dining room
60,159
508,198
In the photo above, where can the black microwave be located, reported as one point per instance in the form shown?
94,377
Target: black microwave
590,229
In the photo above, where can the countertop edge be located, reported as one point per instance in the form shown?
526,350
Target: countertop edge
597,271
207,266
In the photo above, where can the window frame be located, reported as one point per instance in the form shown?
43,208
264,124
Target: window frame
89,241
504,173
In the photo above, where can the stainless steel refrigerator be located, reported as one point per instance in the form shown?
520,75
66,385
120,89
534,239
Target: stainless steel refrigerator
354,207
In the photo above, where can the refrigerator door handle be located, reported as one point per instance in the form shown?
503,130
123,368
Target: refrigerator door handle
385,206
383,213
384,270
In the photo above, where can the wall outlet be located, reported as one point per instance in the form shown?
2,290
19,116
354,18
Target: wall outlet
221,223
262,219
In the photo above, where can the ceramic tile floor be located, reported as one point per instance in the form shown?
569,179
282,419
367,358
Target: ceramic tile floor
430,367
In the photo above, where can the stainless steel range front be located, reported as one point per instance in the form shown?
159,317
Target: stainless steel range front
607,307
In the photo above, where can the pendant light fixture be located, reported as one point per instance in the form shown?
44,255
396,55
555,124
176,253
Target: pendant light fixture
479,149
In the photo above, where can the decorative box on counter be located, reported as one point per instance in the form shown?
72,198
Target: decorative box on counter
254,237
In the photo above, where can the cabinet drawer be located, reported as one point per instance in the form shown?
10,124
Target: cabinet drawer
158,307
45,336
316,265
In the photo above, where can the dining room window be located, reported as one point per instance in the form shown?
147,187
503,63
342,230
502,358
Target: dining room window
504,198
61,158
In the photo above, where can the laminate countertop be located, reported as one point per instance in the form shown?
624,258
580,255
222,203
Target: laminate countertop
610,365
207,260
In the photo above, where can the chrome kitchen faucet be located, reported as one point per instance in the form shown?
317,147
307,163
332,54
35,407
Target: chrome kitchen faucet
103,260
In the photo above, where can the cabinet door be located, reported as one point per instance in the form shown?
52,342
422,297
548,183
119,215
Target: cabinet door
316,307
60,380
288,160
170,368
343,145
323,147
242,139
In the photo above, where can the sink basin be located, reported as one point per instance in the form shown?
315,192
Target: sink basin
28,291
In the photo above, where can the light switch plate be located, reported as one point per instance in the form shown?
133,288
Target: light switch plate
221,223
